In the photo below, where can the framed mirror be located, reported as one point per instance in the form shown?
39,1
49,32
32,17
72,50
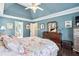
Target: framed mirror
52,26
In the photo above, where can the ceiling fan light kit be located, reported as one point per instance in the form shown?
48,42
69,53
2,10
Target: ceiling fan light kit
34,7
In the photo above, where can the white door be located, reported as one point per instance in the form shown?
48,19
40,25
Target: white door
33,29
1,8
19,29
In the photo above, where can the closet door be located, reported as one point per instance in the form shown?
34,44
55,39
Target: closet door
33,29
19,29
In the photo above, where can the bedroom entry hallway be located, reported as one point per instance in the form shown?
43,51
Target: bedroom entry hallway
33,29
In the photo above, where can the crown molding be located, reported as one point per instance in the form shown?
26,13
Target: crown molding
17,18
65,12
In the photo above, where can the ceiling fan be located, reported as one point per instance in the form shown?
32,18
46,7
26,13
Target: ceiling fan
34,7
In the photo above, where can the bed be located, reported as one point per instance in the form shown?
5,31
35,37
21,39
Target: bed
28,46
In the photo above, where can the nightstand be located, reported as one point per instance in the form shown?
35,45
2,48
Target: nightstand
66,44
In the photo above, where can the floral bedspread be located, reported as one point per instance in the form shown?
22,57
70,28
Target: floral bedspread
35,46
28,46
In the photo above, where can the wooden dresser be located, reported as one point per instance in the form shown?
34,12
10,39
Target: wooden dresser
76,39
54,36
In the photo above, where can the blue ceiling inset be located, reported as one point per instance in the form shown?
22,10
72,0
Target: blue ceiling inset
17,10
49,8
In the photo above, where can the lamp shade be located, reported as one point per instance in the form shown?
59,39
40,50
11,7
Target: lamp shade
3,28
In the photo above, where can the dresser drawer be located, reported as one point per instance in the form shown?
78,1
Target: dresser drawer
76,38
76,47
76,41
76,30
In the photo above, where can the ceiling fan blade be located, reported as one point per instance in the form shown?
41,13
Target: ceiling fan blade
40,8
26,8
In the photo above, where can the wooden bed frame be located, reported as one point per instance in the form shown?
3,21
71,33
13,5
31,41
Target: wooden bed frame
54,36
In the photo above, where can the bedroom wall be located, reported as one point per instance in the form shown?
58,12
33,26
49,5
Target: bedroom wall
16,10
4,21
67,33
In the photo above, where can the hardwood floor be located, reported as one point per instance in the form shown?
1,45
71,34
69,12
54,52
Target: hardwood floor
67,52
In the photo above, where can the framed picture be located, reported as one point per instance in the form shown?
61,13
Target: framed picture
52,26
68,24
42,26
9,25
27,26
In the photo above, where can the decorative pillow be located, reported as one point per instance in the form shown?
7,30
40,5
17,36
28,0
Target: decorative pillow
1,44
0,38
13,45
5,36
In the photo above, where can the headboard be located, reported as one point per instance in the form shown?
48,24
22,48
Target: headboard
54,36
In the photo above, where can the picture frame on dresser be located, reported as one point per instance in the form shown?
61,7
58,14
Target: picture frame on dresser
77,24
77,21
